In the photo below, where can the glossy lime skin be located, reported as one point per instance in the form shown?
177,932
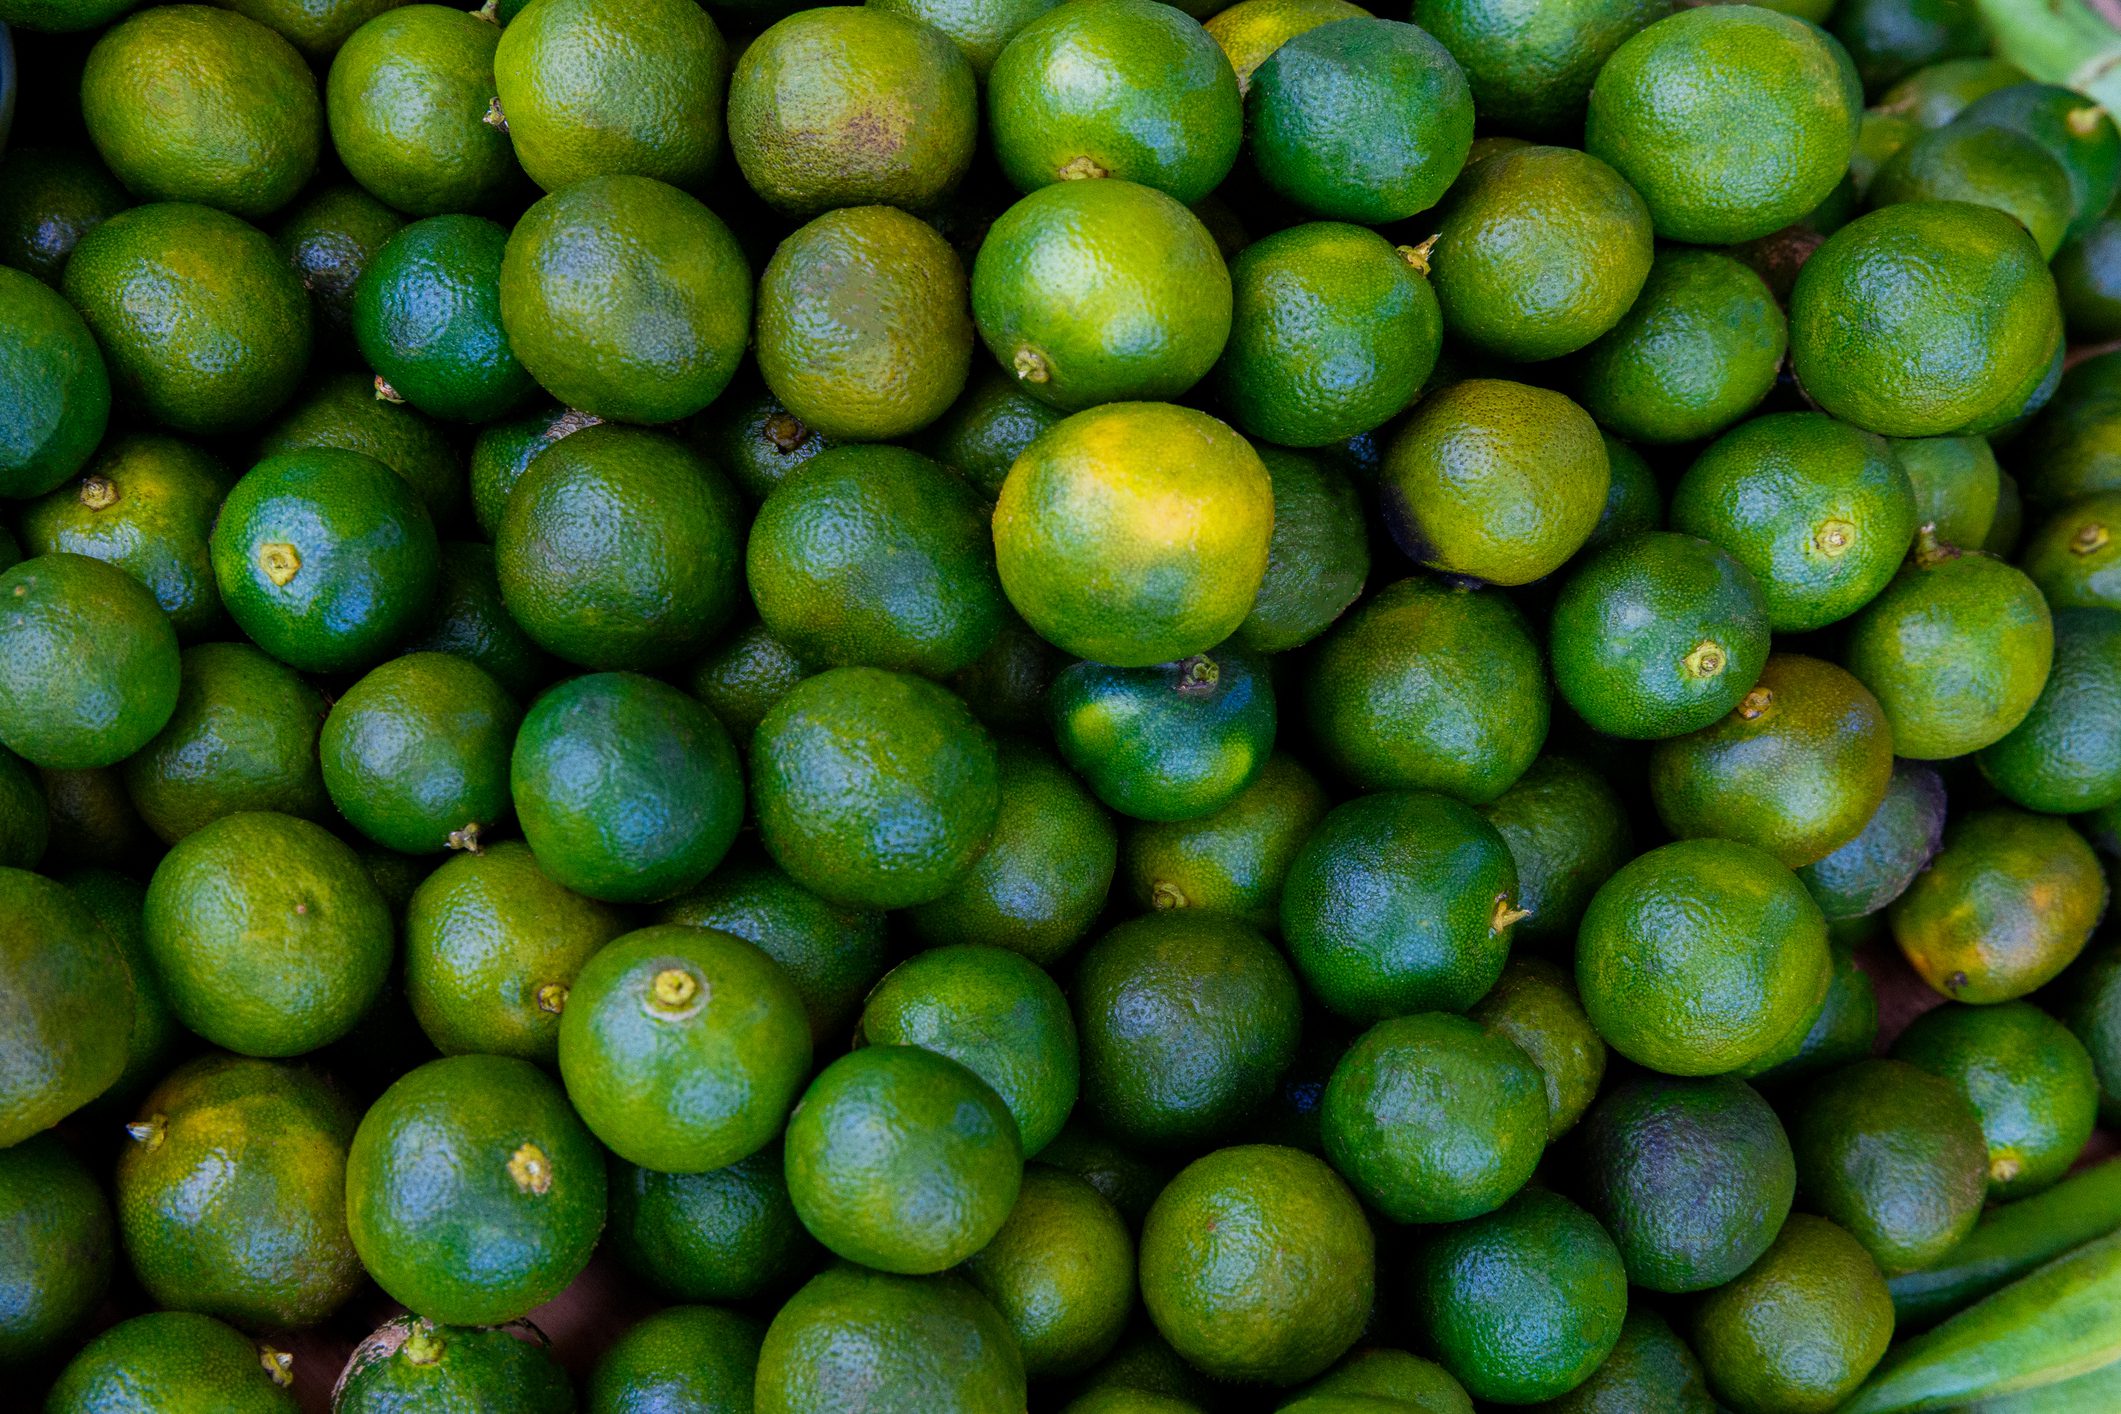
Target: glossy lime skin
682,1048
54,391
1061,1271
729,1234
1462,1150
343,411
1697,957
1173,742
328,240
1430,687
1658,635
1898,841
1098,291
57,1273
874,788
902,1159
1696,351
2065,756
170,1360
1530,66
1986,166
469,620
695,1357
204,327
88,663
411,1363
427,318
2077,133
1399,902
196,103
1362,120
592,90
1958,485
63,1036
2031,1083
49,199
1318,556
1535,1005
325,558
1957,649
878,556
1188,1020
269,936
840,1343
981,434
1923,318
743,676
1731,122
1115,88
2069,450
628,790
2072,556
584,268
407,97
472,1191
415,754
619,550
1332,332
503,451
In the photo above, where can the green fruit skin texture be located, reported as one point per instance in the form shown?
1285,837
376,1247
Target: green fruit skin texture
59,1267
231,1193
1696,351
2065,757
1535,1004
2029,1080
211,331
88,663
1957,485
355,548
730,1234
852,1338
2071,557
407,97
1174,742
743,676
52,198
469,620
683,1357
1567,832
169,1360
416,753
269,936
1731,122
1692,1177
877,556
628,790
2070,450
1461,1152
1650,1368
1234,860
54,390
1801,1328
1061,1271
427,318
874,788
409,1363
1430,687
981,434
2052,117
1318,556
1360,120
437,1210
1628,632
1984,166
903,1160
1898,841
328,241
1393,906
1530,68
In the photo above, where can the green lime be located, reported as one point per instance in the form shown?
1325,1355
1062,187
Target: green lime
592,88
411,1363
427,317
2087,280
1801,1328
1134,534
979,436
503,451
619,550
2030,1081
1535,1005
316,27
1333,331
853,1337
626,298
2065,757
117,901
1698,957
744,675
2071,557
56,1271
1986,166
1360,120
1172,742
1957,485
1896,1156
1567,832
329,240
849,105
1430,686
1378,1373
344,411
2007,903
269,936
1101,291
25,819
54,390
1956,649
682,1357
1228,1014
469,620
628,790
864,331
1128,1178
325,558
415,754
243,736
1730,120
1234,860
832,953
1400,901
2073,130
196,103
177,1361
50,197
981,28
729,1234
1318,556
1434,1118
408,97
1257,1264
902,1159
876,555
1923,317
1698,350
231,1195
683,1048
2070,450
1845,1030
1650,1368
1251,30
1936,93
88,663
1531,67
1875,866
472,1191
1061,1272
1115,88
1658,635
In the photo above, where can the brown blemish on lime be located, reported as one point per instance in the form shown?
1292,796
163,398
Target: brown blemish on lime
149,1132
280,561
1706,660
1756,704
278,1364
98,493
552,997
1833,537
2089,539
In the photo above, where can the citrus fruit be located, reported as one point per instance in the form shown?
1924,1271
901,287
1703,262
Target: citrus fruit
328,240
50,197
2066,755
1801,1328
1534,1004
2030,1081
1531,67
409,1361
852,1337
681,1355
1696,351
344,411
407,97
1567,832
415,754
1957,485
1986,166
1061,1272
174,1360
1172,742
57,392
69,1008
58,1271
88,663
1318,555
427,318
729,1234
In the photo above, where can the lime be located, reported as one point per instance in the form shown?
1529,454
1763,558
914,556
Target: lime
50,197
1567,832
1232,861
1801,1328
2030,1081
469,620
981,28
1987,166
427,317
979,436
682,1356
1531,67
70,1006
408,96
54,389
1957,485
1251,30
1172,742
1061,1272
178,1361
344,411
415,754
88,663
410,1362
329,240
2065,757
57,1271
1698,349
853,1337
1535,1004
729,1234
1318,555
